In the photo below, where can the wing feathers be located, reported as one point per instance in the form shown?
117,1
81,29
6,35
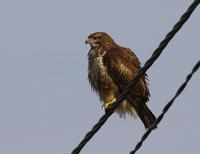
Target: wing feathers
122,64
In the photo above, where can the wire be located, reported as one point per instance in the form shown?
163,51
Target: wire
141,72
166,108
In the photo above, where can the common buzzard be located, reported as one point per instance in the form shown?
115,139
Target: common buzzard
111,67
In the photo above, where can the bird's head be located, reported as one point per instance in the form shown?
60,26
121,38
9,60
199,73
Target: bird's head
98,39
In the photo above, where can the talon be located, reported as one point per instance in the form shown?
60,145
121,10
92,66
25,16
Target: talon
108,105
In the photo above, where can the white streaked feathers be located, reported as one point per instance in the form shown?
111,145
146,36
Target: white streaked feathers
98,66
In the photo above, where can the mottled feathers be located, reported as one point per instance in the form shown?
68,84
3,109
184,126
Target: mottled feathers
110,69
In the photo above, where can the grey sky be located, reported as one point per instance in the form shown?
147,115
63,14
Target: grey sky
46,104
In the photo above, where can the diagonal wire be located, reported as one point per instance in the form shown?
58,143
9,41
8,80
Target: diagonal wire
141,72
166,108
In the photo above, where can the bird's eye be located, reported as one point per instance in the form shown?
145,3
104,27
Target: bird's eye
96,37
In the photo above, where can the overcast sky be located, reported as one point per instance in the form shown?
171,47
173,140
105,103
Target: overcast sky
46,104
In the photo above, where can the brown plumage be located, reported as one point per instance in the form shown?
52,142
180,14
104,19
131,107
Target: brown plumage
110,69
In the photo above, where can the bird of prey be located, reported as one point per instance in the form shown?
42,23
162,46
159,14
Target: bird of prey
110,68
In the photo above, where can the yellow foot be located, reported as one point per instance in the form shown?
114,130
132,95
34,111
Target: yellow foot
108,105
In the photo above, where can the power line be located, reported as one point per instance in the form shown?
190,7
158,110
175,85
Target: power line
136,78
166,108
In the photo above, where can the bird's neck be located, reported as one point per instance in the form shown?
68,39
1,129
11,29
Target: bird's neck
96,52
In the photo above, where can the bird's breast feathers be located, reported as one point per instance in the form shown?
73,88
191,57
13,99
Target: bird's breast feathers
98,75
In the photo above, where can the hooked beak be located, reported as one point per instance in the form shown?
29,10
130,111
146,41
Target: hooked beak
87,41
91,42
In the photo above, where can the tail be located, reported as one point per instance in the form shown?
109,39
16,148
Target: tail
143,112
147,116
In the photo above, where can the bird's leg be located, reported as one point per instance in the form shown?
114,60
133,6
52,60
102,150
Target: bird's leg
108,103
